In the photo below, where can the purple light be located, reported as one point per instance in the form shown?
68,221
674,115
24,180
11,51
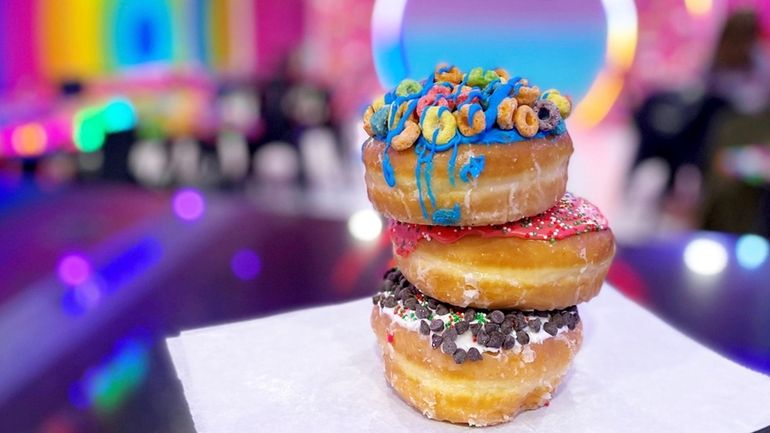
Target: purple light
74,269
189,204
245,264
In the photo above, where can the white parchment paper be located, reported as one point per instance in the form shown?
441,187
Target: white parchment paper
318,370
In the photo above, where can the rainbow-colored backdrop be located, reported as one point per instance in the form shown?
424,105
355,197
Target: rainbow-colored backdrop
52,40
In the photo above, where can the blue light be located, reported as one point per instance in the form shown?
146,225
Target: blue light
751,251
118,116
142,32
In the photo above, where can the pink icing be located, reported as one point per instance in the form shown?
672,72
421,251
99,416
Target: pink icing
571,216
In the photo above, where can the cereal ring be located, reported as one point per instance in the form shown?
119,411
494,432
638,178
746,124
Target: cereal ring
406,138
462,98
464,123
527,95
394,118
408,87
438,119
477,77
379,121
433,98
503,74
563,103
526,121
505,113
446,73
378,102
548,115
368,120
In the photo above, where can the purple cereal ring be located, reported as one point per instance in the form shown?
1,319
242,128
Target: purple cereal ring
548,115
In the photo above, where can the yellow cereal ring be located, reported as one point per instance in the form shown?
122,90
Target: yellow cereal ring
527,95
407,137
464,124
505,113
563,103
445,124
452,75
368,120
525,120
378,102
503,74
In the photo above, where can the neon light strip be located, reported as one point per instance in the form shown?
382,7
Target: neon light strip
386,38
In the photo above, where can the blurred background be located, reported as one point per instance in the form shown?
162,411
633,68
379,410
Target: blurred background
174,164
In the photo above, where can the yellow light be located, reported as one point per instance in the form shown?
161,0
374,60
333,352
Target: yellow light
698,7
29,139
622,33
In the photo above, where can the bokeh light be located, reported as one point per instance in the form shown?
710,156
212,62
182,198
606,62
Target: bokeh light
751,251
189,204
365,225
245,264
74,269
89,133
699,7
118,116
29,139
705,256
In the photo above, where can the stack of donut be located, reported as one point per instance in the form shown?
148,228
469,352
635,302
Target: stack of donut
478,321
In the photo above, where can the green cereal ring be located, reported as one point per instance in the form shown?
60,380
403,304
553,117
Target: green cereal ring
408,87
445,123
477,77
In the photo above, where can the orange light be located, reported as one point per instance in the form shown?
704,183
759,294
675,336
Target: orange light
29,139
698,7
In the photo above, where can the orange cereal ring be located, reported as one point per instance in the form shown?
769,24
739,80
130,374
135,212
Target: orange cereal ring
527,95
503,74
452,75
469,127
526,121
407,137
368,120
505,112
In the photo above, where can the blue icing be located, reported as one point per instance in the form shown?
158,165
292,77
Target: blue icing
387,170
473,168
446,217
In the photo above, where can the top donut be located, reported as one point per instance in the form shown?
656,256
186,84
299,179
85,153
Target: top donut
422,165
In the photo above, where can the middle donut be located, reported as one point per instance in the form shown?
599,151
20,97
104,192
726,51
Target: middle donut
550,261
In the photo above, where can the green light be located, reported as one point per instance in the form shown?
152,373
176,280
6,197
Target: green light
89,130
118,116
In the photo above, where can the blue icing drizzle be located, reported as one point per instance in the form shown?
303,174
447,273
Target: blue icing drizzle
451,166
387,169
473,168
446,217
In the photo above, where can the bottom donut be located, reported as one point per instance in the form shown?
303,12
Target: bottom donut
467,366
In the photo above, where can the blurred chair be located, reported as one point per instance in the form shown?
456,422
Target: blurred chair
185,160
233,155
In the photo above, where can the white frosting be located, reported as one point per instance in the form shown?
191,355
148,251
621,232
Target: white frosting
465,341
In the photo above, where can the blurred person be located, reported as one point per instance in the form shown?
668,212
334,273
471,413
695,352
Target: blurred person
736,198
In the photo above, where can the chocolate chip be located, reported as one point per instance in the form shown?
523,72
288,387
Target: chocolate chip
558,320
459,356
496,316
470,314
506,327
421,312
448,347
551,328
520,323
410,302
572,321
436,340
437,325
376,298
509,342
542,313
461,327
522,337
491,327
397,293
450,334
475,327
474,354
432,303
482,338
391,274
389,302
495,339
534,324
441,310
424,328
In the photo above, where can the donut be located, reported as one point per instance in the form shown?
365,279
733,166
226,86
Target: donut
519,179
465,366
553,260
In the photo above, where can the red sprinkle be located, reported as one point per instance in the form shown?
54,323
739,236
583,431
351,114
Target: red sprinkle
390,338
571,216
